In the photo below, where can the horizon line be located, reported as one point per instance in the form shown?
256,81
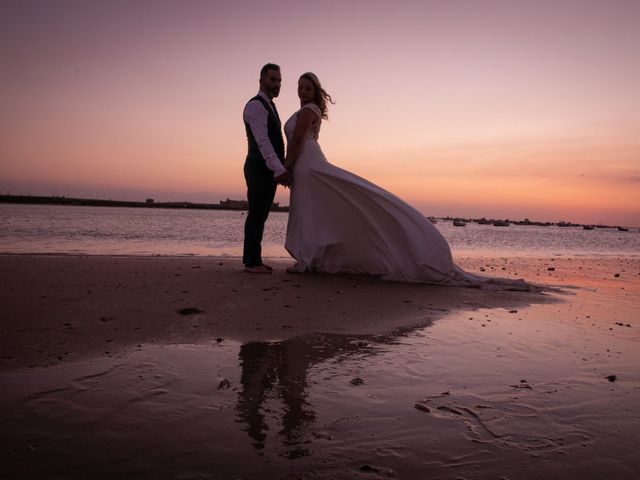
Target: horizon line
151,201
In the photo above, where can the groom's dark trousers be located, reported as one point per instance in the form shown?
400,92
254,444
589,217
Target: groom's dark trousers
261,186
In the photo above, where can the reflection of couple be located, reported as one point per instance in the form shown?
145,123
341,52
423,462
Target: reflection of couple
338,222
272,370
275,383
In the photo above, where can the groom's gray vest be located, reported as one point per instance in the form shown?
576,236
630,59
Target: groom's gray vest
255,161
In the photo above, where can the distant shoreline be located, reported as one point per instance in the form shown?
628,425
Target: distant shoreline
150,203
241,205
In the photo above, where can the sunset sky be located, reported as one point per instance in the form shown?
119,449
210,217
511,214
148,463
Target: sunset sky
490,108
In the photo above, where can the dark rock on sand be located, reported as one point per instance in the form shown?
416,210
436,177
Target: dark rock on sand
189,311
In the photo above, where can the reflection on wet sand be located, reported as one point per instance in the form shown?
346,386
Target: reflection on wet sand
274,369
279,371
166,408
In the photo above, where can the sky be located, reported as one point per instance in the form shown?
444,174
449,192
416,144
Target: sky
497,108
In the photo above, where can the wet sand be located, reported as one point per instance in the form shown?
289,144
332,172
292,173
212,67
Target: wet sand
187,367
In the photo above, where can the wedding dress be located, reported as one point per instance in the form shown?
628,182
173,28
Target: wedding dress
340,222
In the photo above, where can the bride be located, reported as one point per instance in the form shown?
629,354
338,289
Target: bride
339,222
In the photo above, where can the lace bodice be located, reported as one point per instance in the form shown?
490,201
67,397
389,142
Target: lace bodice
314,131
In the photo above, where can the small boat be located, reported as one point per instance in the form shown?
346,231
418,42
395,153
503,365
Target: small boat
500,223
588,227
622,229
432,220
459,223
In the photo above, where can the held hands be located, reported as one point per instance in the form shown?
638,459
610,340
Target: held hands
284,179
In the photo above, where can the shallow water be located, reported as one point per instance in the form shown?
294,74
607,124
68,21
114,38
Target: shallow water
141,231
477,394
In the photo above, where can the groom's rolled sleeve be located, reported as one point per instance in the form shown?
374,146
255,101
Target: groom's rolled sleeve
256,116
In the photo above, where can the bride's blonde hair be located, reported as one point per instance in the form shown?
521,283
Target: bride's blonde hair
321,96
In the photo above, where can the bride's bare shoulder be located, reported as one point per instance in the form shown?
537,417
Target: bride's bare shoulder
312,107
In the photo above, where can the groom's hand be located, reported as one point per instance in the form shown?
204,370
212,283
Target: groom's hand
284,179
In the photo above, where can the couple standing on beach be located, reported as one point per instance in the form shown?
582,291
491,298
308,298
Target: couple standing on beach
338,222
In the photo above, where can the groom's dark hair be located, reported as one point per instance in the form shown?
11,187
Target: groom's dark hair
267,67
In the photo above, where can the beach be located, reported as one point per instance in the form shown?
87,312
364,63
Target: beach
317,376
60,308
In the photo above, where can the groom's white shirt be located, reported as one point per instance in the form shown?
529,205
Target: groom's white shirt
256,116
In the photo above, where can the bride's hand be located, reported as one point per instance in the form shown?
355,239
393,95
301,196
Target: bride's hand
284,179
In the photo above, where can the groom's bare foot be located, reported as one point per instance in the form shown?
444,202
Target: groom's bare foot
258,269
268,267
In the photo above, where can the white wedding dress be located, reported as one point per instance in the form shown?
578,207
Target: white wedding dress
339,222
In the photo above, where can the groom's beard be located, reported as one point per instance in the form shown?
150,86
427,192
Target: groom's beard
274,92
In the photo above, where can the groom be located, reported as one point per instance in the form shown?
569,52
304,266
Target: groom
263,168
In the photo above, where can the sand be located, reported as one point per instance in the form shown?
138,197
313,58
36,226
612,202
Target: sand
203,371
60,308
